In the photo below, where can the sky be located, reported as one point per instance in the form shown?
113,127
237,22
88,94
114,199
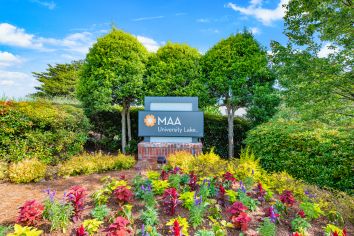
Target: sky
34,33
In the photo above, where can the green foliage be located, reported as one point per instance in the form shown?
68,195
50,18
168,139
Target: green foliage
204,232
87,163
232,195
331,229
92,226
3,170
174,181
314,152
100,212
312,210
187,199
220,226
25,231
5,229
58,80
267,228
39,129
26,171
153,175
58,213
112,71
159,186
101,196
150,216
300,225
174,71
197,212
247,201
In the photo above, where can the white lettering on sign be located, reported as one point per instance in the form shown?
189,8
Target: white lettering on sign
168,121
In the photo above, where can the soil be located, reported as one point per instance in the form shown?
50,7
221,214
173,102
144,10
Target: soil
14,195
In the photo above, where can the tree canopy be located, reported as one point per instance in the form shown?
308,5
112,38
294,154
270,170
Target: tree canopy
58,80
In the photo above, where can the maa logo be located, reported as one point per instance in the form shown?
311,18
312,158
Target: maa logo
168,121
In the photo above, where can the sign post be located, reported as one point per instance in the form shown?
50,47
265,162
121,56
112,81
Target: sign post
169,124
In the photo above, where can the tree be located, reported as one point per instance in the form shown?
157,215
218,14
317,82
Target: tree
317,87
174,71
231,70
113,75
58,80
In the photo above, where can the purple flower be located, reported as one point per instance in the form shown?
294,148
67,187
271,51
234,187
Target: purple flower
309,194
272,215
242,187
50,193
252,172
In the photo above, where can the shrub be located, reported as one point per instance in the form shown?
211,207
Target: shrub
159,186
314,152
20,231
108,124
27,170
95,163
3,170
30,213
39,129
181,159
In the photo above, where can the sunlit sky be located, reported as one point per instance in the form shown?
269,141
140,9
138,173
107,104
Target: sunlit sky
34,33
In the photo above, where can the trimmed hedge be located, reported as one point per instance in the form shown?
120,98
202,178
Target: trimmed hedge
39,129
311,151
107,125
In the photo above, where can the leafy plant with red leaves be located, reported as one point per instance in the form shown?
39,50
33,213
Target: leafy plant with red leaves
260,191
164,175
221,195
76,196
236,209
120,227
123,194
176,229
301,213
193,182
297,234
228,179
287,198
81,231
30,213
241,221
170,200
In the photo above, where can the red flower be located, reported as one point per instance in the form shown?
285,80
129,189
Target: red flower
241,221
30,213
221,195
123,194
297,234
176,229
287,198
236,208
81,231
301,213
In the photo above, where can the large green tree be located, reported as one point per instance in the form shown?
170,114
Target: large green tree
58,80
174,70
113,75
231,70
316,85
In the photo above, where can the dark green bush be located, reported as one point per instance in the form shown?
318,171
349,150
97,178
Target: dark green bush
311,151
107,125
39,129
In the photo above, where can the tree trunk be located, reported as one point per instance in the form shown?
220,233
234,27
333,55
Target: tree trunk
230,121
129,125
124,135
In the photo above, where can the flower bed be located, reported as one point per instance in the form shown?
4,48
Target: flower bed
241,200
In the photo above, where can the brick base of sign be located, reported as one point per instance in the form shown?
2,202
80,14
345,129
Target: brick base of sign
148,152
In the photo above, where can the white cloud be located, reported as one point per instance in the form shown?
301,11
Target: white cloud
326,50
14,84
148,18
13,36
255,30
210,31
50,5
8,59
150,44
203,20
264,15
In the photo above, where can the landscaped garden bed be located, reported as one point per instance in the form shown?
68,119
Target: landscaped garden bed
190,196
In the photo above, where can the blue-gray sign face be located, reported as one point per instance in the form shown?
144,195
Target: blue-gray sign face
171,123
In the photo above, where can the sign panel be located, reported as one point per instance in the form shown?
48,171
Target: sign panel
171,123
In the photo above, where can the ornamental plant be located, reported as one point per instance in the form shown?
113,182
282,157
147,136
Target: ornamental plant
228,179
80,231
183,225
261,192
153,175
232,195
100,212
119,227
204,189
174,180
170,200
193,182
300,225
148,231
271,213
149,216
204,232
123,195
236,209
268,228
221,195
159,186
332,230
187,199
25,230
241,221
311,210
30,213
197,211
148,196
287,198
164,175
76,196
176,229
247,201
92,226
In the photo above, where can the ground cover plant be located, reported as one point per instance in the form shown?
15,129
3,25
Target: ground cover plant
239,201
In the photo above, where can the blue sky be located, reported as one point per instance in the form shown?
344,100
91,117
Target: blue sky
34,33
